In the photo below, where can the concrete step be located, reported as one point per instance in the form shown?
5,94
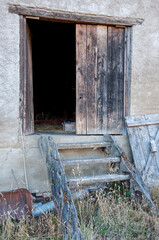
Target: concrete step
81,145
76,182
32,139
92,161
83,153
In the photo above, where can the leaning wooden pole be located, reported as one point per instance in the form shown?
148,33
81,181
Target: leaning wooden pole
135,175
60,191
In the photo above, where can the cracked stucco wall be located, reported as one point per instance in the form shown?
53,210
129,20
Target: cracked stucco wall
145,63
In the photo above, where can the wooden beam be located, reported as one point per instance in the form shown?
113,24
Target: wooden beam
81,145
89,180
91,161
81,79
23,73
143,120
73,17
127,70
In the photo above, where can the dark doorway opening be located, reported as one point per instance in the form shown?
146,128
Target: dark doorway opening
54,74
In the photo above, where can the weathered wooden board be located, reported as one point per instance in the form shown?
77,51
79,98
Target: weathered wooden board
127,71
60,191
101,99
115,91
134,174
143,134
26,78
73,17
100,79
81,84
91,78
22,24
29,84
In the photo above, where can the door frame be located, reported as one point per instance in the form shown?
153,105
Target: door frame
40,14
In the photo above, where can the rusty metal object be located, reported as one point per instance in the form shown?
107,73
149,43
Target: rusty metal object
15,203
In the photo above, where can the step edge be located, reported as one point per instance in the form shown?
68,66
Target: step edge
69,162
101,178
82,145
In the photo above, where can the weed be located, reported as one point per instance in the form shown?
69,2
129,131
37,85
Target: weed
104,215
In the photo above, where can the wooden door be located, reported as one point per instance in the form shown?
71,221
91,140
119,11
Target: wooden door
143,132
99,79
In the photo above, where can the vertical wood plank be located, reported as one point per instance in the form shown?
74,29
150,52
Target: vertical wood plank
91,78
101,123
120,79
81,81
29,84
111,98
26,80
115,95
22,71
127,70
134,143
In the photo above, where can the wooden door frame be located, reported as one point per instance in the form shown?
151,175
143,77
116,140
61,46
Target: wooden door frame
58,16
26,110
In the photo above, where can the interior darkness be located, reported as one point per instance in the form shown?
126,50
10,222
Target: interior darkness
53,51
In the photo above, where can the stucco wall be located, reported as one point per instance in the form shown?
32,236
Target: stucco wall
145,55
145,61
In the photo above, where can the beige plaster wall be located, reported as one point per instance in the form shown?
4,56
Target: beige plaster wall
144,82
145,55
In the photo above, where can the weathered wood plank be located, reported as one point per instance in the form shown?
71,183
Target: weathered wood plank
60,192
82,145
120,78
150,158
143,130
127,70
110,94
91,78
97,179
135,121
101,92
29,84
136,148
115,94
26,78
22,72
91,161
81,81
142,136
74,17
135,175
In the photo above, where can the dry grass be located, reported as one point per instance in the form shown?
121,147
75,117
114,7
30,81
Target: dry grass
102,216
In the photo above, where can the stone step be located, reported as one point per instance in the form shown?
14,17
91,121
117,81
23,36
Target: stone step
81,145
92,180
92,161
